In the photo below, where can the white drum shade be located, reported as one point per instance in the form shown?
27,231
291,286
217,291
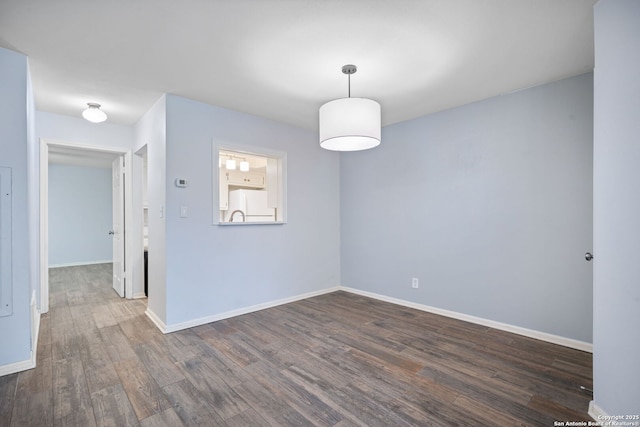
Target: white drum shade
350,124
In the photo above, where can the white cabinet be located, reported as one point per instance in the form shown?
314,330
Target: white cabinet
245,179
224,191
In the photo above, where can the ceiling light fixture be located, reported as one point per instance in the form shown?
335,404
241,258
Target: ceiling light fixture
93,113
350,124
244,166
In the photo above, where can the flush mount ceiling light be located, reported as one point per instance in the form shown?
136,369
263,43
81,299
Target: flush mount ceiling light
93,113
350,124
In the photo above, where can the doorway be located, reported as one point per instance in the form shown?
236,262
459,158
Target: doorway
89,155
141,157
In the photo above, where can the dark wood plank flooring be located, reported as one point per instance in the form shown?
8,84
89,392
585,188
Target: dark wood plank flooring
333,360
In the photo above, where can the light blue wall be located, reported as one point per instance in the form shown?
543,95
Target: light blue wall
15,329
77,130
80,214
616,335
212,269
488,205
151,131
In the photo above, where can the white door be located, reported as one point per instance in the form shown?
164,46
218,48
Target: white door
117,230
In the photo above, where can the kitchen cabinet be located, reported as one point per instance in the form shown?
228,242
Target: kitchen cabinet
245,179
224,191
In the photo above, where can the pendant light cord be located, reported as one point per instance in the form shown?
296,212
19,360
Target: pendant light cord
349,75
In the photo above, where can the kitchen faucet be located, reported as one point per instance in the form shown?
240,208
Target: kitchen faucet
234,212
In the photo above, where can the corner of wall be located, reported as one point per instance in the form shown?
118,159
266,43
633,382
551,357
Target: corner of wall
596,412
29,363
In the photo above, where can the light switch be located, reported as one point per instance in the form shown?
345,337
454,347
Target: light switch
184,212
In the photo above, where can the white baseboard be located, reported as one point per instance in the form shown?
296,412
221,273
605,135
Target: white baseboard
543,336
29,363
597,413
156,320
23,365
139,295
208,319
78,264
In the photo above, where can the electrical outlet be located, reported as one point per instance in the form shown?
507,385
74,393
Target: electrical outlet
414,283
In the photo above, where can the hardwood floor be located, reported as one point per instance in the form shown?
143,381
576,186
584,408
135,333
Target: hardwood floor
333,360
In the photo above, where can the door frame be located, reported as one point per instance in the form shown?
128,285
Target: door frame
118,175
44,212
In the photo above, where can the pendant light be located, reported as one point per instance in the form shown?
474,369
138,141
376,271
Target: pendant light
230,164
244,166
93,113
350,124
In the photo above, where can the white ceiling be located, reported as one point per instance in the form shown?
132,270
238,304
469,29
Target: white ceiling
282,59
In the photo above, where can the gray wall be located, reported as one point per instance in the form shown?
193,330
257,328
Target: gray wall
616,338
488,204
15,122
80,214
212,269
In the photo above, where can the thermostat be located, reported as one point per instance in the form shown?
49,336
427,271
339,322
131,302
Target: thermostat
181,182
